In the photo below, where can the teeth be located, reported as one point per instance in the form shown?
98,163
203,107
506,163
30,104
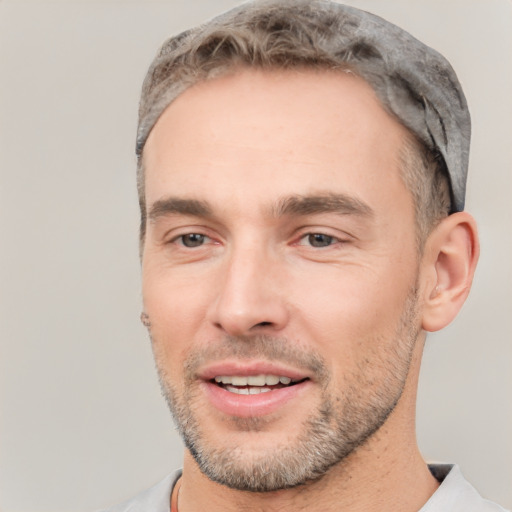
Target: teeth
247,391
256,380
271,380
257,391
252,380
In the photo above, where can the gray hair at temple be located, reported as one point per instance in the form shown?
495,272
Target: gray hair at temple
414,83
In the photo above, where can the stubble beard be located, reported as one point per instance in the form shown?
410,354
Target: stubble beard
342,422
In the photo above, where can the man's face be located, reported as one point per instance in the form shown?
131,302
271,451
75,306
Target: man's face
279,271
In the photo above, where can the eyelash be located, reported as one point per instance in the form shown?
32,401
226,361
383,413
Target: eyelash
307,239
181,240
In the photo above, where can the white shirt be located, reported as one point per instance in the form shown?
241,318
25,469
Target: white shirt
455,494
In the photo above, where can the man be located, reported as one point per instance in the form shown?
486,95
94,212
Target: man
301,176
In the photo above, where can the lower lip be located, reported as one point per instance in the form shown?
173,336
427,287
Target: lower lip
245,406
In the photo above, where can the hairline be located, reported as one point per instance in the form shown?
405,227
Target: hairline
410,142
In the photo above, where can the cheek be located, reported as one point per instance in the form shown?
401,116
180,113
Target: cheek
352,309
176,310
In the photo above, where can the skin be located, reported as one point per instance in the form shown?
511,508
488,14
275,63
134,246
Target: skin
242,144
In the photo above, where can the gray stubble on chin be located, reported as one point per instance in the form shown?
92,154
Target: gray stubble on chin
337,427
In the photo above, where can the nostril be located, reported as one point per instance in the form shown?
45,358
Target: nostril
263,324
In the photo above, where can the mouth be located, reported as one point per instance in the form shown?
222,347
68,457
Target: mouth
251,390
254,384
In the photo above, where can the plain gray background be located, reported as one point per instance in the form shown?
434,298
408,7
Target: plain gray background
82,422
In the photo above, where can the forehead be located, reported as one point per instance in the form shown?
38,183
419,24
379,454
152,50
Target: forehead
264,132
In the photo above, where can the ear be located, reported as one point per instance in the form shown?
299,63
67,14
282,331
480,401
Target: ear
448,265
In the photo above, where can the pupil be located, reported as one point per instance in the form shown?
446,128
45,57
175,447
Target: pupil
193,240
319,240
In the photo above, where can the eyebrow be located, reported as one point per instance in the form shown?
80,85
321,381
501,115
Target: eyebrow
341,204
323,203
174,205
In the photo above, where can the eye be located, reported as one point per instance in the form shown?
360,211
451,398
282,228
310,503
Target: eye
318,240
192,239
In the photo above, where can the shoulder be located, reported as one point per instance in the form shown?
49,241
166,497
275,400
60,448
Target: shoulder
456,494
154,499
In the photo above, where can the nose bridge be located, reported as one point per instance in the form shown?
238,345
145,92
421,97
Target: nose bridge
249,297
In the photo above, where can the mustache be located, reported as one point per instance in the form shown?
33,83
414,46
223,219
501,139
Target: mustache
263,347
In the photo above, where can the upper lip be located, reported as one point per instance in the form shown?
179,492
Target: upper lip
241,368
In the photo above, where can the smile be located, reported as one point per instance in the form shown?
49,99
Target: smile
252,389
253,384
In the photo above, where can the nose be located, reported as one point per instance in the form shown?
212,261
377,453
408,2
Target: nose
251,297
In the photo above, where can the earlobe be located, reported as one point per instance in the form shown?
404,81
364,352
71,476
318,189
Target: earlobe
450,259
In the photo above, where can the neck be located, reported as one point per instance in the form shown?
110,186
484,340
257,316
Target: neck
387,473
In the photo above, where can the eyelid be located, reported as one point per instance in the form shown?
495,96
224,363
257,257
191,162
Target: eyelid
334,240
176,230
173,235
183,235
336,234
186,232
165,226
